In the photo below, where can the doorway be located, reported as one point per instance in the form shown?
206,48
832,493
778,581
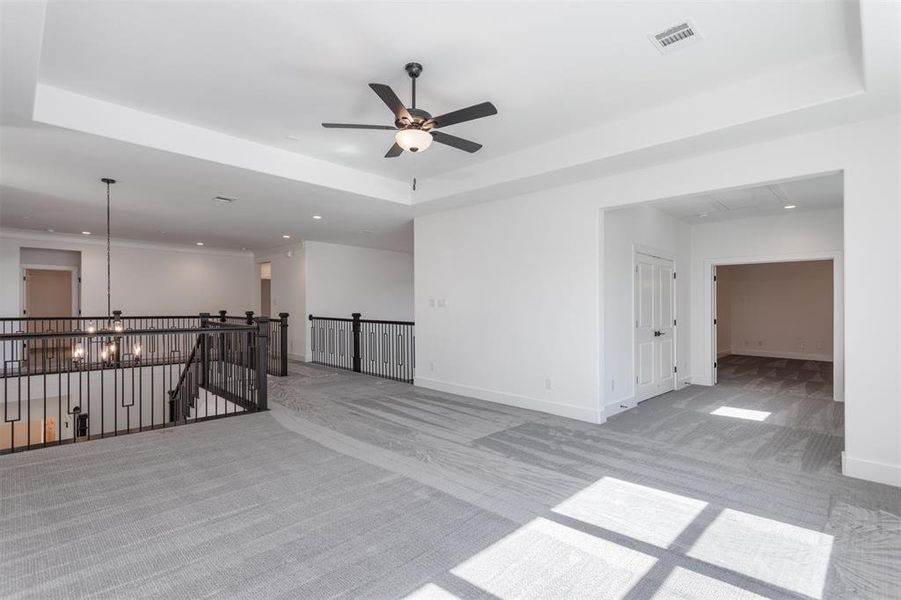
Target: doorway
266,288
48,292
777,326
655,326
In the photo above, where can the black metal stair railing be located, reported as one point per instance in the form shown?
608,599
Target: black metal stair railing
119,381
375,347
54,357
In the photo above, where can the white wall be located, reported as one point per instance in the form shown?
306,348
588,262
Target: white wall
522,281
779,309
287,274
345,279
650,230
789,236
147,279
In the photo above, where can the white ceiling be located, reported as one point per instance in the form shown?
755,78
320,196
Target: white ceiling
814,193
182,101
264,71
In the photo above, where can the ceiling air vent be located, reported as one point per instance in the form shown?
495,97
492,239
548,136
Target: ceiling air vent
676,37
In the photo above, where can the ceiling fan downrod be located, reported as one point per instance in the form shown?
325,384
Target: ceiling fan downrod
414,69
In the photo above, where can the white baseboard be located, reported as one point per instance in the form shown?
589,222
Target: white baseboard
871,470
554,408
723,353
777,354
297,357
618,406
681,383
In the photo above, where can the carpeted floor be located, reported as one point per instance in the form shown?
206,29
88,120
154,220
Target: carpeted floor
355,487
784,376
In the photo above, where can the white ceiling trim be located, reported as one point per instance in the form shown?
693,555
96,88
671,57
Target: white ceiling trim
62,108
26,235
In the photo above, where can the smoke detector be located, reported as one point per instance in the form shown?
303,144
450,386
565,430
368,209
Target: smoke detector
676,37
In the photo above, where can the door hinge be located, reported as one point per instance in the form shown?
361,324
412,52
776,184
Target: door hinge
674,274
636,268
714,321
675,369
636,323
24,278
636,379
714,277
714,364
674,322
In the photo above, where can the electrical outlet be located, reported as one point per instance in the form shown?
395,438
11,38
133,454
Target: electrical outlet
547,383
442,303
431,303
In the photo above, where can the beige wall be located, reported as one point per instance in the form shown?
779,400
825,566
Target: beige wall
776,309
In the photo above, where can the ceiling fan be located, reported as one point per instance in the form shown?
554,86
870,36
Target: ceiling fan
415,128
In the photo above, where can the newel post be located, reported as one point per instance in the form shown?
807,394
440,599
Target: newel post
283,341
262,355
204,349
222,314
251,357
356,329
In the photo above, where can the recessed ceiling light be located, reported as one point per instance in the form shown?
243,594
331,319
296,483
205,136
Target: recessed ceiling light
224,199
296,138
85,233
366,231
51,230
702,216
317,217
287,237
789,206
200,243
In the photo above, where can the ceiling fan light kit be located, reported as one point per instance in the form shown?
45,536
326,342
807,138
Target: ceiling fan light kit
413,140
415,127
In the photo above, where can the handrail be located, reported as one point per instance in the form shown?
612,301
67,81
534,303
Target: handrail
112,333
188,363
380,347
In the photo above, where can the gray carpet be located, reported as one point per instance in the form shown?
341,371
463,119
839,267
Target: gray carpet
783,376
355,487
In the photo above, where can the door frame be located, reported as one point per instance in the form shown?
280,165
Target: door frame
665,255
76,285
838,312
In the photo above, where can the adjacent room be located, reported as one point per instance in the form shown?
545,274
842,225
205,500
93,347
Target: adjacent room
450,300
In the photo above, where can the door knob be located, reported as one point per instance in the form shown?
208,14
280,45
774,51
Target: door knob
658,333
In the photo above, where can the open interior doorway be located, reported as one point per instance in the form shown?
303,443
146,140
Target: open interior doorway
266,288
775,326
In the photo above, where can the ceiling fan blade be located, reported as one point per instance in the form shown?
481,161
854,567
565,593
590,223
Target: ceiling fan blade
356,126
394,151
392,101
477,111
456,142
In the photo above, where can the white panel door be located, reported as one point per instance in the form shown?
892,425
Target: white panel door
645,342
655,350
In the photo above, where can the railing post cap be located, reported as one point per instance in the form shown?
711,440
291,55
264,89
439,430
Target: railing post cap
223,312
310,316
248,313
356,315
117,313
283,315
